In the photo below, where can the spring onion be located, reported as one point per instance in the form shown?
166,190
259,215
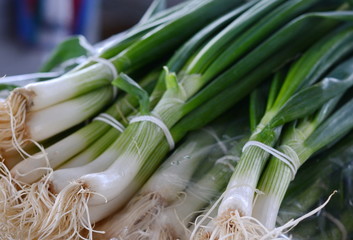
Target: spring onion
239,195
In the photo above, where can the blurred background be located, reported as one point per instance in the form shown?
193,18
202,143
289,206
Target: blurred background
30,29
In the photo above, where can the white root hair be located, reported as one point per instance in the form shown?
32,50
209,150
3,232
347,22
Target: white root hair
134,221
34,212
68,215
14,135
232,226
11,194
13,115
169,226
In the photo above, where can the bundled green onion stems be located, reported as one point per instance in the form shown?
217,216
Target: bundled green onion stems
108,135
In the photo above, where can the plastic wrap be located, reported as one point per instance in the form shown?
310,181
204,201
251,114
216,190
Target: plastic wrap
323,174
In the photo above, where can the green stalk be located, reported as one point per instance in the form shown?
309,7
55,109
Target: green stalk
168,11
274,89
162,40
219,43
116,44
152,47
287,35
257,106
257,33
182,55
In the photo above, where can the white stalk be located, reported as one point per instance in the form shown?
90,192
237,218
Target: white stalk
99,212
20,128
202,193
63,177
278,174
43,95
197,196
238,197
122,172
60,117
53,120
79,216
68,86
32,168
93,151
266,209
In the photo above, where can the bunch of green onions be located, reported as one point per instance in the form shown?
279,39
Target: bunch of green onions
187,181
302,138
84,174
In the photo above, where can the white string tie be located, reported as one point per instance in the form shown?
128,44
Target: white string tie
160,124
111,67
107,63
108,119
291,159
86,45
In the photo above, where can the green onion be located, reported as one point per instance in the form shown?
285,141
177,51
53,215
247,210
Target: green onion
163,109
85,144
235,186
249,168
202,80
308,137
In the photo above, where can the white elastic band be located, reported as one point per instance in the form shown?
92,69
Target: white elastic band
292,161
106,118
160,124
111,67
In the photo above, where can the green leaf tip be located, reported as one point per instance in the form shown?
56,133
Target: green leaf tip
127,84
